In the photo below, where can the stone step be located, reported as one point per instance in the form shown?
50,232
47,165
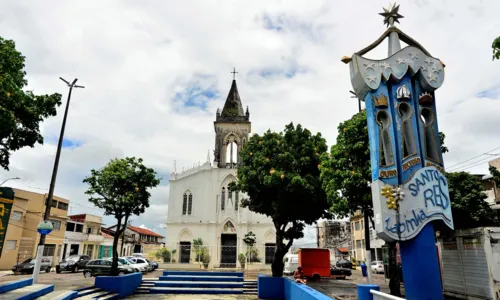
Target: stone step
203,273
58,295
179,290
88,291
199,284
200,278
28,292
99,295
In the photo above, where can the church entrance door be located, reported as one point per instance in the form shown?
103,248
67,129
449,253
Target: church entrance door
185,256
228,251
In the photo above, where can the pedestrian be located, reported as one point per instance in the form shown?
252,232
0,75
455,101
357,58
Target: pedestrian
299,276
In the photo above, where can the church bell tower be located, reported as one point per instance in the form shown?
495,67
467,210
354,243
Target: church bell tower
232,127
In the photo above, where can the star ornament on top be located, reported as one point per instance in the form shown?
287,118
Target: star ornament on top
391,14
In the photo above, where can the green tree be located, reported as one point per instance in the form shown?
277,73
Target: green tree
250,239
280,174
198,249
496,175
496,48
468,204
21,111
121,189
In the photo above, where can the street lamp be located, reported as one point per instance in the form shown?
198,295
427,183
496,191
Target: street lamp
46,216
13,178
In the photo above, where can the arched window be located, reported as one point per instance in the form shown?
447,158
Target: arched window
223,199
190,204
236,201
231,153
184,204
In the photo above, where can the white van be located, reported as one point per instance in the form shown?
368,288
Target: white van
291,263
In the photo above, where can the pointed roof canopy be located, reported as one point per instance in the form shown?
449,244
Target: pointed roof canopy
233,109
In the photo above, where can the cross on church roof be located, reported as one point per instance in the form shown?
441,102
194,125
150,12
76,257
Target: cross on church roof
234,73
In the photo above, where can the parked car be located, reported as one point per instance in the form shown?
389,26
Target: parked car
344,263
142,263
27,266
138,255
103,267
377,266
291,263
73,263
341,273
153,265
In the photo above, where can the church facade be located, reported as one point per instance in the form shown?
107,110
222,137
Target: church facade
201,206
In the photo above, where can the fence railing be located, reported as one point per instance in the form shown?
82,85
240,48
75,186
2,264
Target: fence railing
383,296
216,256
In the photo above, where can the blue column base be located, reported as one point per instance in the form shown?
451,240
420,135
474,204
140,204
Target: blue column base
364,291
421,273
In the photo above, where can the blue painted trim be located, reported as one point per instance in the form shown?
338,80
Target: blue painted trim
37,293
14,285
195,291
374,134
200,278
190,284
202,273
364,291
420,266
295,291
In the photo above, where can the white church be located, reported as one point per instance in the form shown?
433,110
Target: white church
200,205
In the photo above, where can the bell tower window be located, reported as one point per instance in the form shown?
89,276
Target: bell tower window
223,199
187,203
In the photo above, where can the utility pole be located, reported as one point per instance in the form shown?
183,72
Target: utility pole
39,252
366,221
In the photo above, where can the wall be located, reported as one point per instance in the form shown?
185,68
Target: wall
210,234
24,231
207,218
149,250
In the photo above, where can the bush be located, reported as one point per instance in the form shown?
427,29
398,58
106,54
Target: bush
242,259
205,259
253,255
164,254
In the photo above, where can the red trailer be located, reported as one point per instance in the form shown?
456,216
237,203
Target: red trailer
315,262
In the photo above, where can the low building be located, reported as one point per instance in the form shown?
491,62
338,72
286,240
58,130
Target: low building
358,251
106,246
21,239
334,235
138,240
92,237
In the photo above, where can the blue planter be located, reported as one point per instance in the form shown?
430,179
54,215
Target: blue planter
270,287
123,285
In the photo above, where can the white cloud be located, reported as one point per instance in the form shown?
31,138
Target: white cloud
133,59
143,226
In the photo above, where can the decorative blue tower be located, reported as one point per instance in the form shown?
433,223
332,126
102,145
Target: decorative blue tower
409,188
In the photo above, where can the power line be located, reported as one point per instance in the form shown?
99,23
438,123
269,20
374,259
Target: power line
485,153
471,165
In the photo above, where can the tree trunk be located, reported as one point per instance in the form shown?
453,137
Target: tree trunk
123,234
394,272
278,265
114,265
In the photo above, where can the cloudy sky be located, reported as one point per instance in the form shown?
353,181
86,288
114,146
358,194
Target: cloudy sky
156,71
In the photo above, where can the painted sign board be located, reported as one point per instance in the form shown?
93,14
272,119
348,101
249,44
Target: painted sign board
6,202
45,227
425,199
